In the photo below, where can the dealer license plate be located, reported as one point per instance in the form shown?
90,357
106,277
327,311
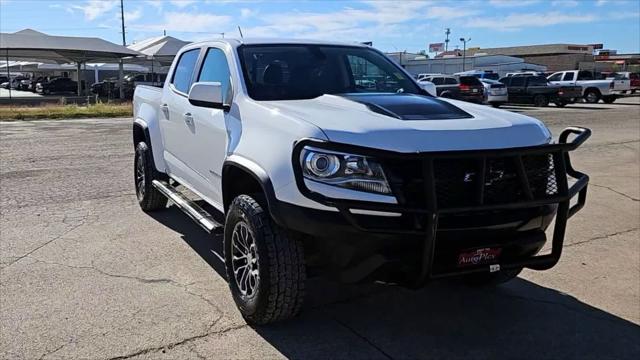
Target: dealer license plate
479,256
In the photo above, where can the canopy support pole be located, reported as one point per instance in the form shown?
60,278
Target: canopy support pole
120,76
8,74
79,64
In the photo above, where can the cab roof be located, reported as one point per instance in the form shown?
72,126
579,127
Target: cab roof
235,42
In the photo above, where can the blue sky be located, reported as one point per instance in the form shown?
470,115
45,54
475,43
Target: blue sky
391,25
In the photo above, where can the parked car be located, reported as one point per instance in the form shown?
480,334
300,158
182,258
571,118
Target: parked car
25,85
466,88
537,90
480,74
57,85
309,174
14,83
592,90
495,92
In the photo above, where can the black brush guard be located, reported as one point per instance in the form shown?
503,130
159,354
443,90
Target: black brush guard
430,210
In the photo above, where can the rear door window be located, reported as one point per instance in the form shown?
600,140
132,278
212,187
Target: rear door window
438,81
537,81
517,81
183,75
450,81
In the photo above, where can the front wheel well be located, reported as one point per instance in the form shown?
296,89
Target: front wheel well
237,181
138,135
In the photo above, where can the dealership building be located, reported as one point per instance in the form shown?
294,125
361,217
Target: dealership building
451,64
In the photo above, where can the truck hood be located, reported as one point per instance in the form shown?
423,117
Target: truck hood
414,123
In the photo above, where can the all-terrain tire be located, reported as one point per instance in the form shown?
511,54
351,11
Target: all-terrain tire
144,173
279,292
592,96
491,279
540,100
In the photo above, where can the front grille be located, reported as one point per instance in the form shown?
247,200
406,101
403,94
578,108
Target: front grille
465,182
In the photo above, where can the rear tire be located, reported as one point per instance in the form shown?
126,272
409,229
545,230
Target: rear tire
496,104
540,100
608,99
491,279
592,96
560,104
149,197
265,265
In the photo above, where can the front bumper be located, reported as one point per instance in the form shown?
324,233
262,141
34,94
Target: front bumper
426,217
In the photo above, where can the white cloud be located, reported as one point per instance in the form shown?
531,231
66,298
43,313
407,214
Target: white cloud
247,13
189,22
601,2
93,9
182,3
155,3
512,3
565,3
133,15
517,21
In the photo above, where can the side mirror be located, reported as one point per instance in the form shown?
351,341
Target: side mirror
207,94
429,87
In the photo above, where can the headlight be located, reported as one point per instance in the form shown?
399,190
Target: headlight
349,171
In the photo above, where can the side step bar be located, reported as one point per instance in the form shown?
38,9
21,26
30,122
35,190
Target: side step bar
199,215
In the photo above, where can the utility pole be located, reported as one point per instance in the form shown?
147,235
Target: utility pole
446,40
124,43
464,51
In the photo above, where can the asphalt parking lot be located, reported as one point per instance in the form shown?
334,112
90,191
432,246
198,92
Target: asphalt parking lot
85,274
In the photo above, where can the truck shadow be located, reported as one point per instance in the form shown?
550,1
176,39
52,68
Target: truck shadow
520,319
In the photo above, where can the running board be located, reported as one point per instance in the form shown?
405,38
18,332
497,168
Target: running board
198,214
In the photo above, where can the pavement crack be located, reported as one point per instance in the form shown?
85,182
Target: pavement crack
55,350
180,342
43,245
615,191
601,237
143,280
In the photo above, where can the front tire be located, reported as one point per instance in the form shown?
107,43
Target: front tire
149,197
265,265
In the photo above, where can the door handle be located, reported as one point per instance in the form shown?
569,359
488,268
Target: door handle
188,119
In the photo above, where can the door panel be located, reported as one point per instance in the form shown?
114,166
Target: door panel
210,131
177,129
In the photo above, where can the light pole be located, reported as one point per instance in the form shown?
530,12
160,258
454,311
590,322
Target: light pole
464,51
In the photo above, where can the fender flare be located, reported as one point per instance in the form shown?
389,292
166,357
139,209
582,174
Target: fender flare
156,147
258,174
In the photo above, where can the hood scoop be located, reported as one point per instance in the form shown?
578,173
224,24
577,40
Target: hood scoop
409,106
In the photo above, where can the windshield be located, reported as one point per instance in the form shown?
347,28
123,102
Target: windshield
291,72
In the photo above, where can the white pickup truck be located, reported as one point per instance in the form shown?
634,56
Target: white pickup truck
278,149
592,90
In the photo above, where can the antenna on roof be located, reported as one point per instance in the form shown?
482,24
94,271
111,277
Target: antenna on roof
240,31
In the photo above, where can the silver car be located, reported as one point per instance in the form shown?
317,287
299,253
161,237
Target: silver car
495,92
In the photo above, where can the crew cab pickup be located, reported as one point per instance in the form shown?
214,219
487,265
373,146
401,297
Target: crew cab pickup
299,170
592,90
535,89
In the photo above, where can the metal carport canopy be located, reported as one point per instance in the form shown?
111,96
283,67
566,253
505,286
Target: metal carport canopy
33,45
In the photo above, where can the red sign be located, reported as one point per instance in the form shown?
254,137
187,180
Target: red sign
479,256
437,47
